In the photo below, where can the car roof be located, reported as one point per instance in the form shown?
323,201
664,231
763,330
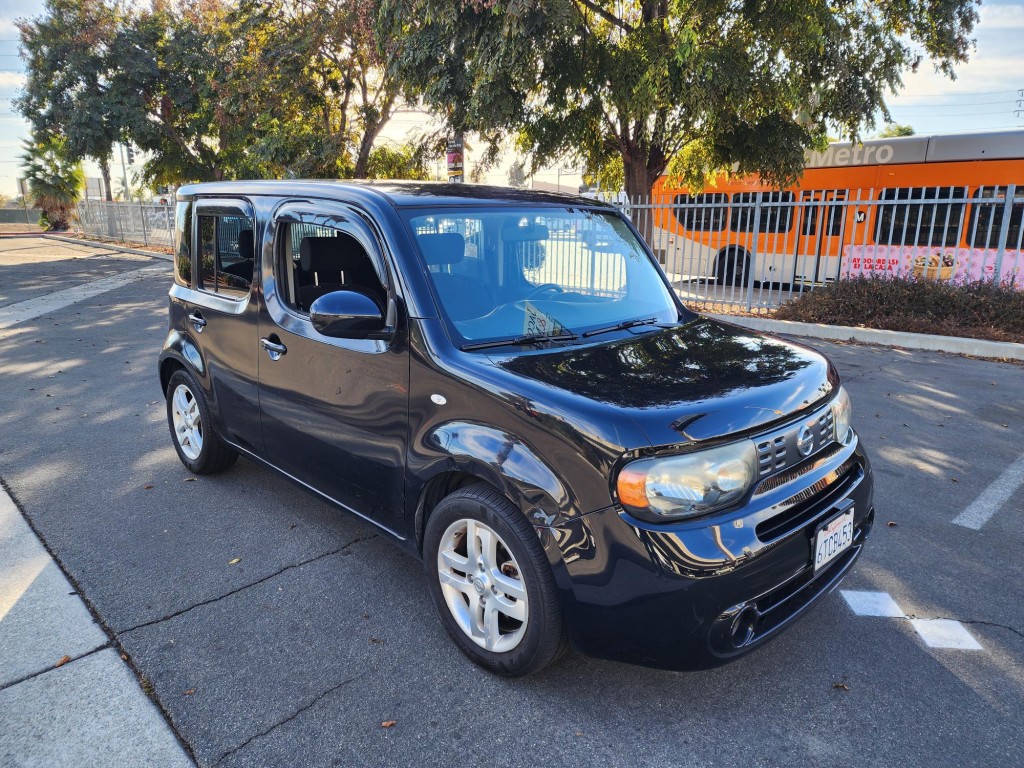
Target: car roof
401,194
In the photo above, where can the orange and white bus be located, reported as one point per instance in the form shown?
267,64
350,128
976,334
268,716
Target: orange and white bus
931,205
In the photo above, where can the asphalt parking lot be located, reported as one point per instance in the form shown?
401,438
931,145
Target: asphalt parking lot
296,653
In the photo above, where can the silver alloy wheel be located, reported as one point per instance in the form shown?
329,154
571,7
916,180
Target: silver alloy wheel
483,585
188,426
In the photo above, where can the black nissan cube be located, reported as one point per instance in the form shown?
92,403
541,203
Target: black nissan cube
506,383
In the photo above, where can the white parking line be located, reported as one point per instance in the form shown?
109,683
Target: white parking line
872,604
936,633
945,633
51,302
993,497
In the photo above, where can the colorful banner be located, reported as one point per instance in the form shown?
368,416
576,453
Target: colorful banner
455,160
960,265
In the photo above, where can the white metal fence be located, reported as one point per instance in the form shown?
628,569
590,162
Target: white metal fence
146,223
758,249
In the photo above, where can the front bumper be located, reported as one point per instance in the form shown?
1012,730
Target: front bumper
698,593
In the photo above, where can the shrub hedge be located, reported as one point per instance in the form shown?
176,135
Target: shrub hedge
981,310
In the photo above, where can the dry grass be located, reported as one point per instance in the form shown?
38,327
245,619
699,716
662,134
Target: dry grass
980,310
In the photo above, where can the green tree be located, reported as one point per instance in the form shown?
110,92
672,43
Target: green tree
517,175
310,74
172,91
684,86
895,131
55,180
67,52
406,161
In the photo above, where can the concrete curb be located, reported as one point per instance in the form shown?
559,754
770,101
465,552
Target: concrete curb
1000,350
111,246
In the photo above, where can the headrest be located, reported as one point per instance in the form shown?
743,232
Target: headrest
322,254
246,244
442,248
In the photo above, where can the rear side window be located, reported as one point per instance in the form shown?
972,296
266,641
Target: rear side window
917,216
182,244
775,214
702,213
226,253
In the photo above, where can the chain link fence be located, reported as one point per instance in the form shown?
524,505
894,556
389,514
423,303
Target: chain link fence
146,223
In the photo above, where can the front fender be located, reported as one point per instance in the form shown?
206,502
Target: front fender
508,463
179,348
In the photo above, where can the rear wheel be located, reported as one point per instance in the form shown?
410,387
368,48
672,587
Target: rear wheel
491,584
188,416
732,266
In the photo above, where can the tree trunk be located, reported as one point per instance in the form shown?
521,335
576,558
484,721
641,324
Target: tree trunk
639,180
105,172
108,195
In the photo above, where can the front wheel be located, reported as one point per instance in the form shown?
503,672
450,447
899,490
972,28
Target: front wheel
491,584
188,416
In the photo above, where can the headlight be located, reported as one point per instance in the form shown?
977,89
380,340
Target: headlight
677,487
841,410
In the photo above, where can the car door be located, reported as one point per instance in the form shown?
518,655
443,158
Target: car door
334,411
222,315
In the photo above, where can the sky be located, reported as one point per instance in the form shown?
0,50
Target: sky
984,96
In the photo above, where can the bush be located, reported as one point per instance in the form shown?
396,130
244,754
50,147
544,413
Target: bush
981,310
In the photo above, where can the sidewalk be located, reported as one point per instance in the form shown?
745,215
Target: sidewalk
88,710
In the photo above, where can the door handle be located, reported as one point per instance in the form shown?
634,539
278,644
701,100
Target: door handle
274,349
198,321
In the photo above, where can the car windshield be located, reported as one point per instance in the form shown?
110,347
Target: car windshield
522,273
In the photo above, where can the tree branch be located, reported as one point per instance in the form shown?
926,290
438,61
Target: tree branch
606,15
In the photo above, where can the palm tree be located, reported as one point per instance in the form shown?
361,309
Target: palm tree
54,182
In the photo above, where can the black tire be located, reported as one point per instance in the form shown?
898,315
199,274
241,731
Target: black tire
544,639
214,454
731,267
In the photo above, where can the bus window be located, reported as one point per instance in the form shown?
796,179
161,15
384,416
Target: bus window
987,218
776,212
927,222
815,199
702,219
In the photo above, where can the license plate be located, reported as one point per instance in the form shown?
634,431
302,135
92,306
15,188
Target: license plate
832,539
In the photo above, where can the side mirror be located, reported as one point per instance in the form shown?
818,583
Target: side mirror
347,314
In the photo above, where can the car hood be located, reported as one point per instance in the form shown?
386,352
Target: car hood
692,382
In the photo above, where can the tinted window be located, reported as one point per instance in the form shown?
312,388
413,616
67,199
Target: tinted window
774,215
833,215
182,245
498,274
987,218
335,260
702,213
226,254
916,217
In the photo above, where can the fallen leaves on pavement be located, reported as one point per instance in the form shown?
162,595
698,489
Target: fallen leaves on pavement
235,561
389,723
63,660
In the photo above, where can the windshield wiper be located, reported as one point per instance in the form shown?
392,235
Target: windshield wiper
621,326
529,338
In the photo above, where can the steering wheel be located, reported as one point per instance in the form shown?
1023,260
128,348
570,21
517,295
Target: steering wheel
553,287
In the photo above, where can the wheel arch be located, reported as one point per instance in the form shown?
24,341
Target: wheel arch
179,351
468,452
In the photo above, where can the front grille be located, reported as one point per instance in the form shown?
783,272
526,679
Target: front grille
778,450
771,455
811,502
794,473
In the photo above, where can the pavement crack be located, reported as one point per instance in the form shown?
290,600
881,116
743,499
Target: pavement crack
72,660
244,587
995,624
316,699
